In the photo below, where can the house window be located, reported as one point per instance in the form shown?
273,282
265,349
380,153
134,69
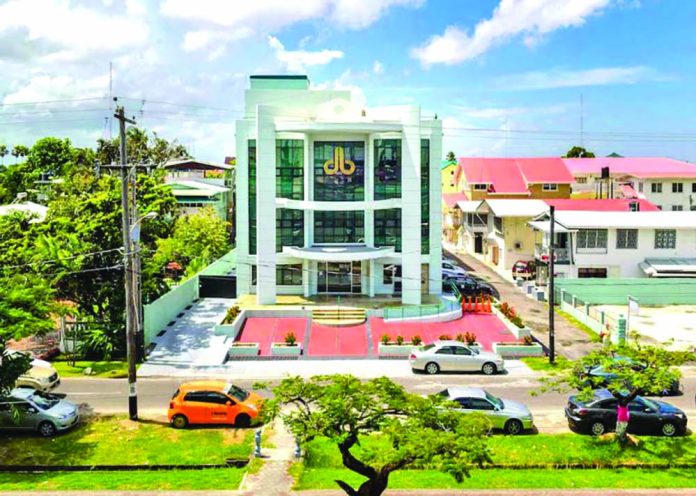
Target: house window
339,227
387,169
665,239
480,187
640,187
633,206
289,275
592,272
343,181
498,223
388,274
677,208
693,187
592,239
656,187
627,239
549,187
388,228
251,153
677,187
581,180
289,228
290,169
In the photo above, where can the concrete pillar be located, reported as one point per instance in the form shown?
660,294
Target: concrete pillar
435,258
410,208
244,260
265,206
306,270
619,336
372,278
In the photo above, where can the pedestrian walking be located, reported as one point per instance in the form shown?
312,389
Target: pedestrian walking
622,417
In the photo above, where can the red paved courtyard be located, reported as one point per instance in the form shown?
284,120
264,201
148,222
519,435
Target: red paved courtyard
353,341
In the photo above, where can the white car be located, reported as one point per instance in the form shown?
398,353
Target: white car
35,362
450,270
454,356
41,376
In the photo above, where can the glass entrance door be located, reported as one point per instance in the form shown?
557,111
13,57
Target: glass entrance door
339,278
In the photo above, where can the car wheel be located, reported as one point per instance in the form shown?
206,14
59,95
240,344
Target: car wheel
242,420
432,368
489,368
179,422
597,428
669,429
513,427
47,429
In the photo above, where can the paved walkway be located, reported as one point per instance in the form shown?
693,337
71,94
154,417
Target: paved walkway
570,341
191,340
273,478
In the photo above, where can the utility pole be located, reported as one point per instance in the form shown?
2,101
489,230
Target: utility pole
552,294
129,277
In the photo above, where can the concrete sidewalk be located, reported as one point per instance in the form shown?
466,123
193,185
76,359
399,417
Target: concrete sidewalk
277,369
191,340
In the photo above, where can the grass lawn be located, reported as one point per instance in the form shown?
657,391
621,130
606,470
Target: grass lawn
322,464
116,440
212,479
541,364
594,337
110,370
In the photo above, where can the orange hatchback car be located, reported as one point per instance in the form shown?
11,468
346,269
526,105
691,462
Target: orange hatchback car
213,402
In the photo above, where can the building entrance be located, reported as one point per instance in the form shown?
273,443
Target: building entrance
339,278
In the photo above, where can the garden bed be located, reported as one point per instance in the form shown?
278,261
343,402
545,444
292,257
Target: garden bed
518,349
243,350
284,349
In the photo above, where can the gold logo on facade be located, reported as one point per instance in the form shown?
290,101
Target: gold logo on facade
339,163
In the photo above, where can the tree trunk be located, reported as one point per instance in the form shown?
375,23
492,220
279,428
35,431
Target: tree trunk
373,486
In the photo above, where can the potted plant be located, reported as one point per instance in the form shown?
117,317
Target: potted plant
445,337
416,340
396,348
399,340
289,346
239,349
385,339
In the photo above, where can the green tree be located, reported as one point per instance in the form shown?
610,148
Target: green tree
19,151
632,369
141,148
27,307
413,431
197,240
579,152
3,153
451,157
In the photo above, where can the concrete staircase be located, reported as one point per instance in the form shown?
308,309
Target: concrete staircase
339,316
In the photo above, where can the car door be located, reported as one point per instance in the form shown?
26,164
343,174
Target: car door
606,412
485,407
217,407
643,419
444,358
463,360
196,407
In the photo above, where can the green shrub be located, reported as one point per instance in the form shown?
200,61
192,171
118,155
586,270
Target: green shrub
232,313
399,340
385,339
290,339
416,340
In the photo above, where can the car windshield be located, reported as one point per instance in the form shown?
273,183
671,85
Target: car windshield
43,401
427,347
496,401
238,393
653,406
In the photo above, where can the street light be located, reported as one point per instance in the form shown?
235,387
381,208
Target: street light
134,312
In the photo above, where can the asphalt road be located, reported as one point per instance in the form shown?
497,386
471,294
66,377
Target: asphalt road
110,395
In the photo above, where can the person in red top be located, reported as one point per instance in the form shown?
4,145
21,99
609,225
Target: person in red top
622,417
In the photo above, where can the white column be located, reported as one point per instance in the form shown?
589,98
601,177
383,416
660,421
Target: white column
244,260
369,190
306,275
410,209
265,206
435,258
371,278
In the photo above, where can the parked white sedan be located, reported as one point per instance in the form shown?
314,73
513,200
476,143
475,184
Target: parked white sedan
454,356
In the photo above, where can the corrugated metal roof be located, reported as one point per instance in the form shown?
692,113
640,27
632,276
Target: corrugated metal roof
513,175
514,208
641,167
635,220
604,205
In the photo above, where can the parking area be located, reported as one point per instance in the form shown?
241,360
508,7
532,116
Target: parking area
671,325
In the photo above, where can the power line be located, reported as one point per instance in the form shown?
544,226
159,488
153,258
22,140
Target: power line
66,100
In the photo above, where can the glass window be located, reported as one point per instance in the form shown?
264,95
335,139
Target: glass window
388,228
640,187
677,187
656,187
388,274
665,238
592,238
627,239
480,404
387,169
289,228
195,396
445,350
339,171
460,350
464,402
693,187
550,187
339,227
498,223
216,398
480,187
592,272
290,169
581,180
425,196
677,208
253,275
252,196
289,275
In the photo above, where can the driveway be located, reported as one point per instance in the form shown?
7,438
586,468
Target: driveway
191,341
571,342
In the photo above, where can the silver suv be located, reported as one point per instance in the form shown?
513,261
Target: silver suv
41,412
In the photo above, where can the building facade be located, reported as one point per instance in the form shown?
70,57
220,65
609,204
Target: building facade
335,198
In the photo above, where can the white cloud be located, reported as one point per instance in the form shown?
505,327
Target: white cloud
377,67
531,19
342,83
493,113
273,15
297,60
46,87
561,78
71,32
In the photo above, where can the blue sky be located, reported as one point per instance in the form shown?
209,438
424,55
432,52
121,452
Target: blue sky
506,76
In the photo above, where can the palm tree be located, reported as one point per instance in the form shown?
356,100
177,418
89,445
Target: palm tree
19,151
3,153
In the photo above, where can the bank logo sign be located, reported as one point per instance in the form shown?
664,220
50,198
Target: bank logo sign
339,164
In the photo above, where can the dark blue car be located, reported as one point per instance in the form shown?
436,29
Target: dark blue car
598,377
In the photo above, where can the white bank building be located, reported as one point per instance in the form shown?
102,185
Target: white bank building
333,197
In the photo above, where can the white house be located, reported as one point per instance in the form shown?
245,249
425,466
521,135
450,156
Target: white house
620,244
334,197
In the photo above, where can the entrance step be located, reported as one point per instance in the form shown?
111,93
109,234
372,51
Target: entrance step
339,316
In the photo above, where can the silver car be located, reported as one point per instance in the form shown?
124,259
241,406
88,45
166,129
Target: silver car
510,416
454,356
37,411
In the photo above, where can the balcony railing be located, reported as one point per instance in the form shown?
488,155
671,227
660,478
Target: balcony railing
562,255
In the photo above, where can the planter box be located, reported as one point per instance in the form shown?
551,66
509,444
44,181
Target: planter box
229,330
243,350
518,350
282,349
395,349
518,332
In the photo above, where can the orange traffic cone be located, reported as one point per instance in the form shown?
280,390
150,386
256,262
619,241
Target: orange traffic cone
488,304
477,308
